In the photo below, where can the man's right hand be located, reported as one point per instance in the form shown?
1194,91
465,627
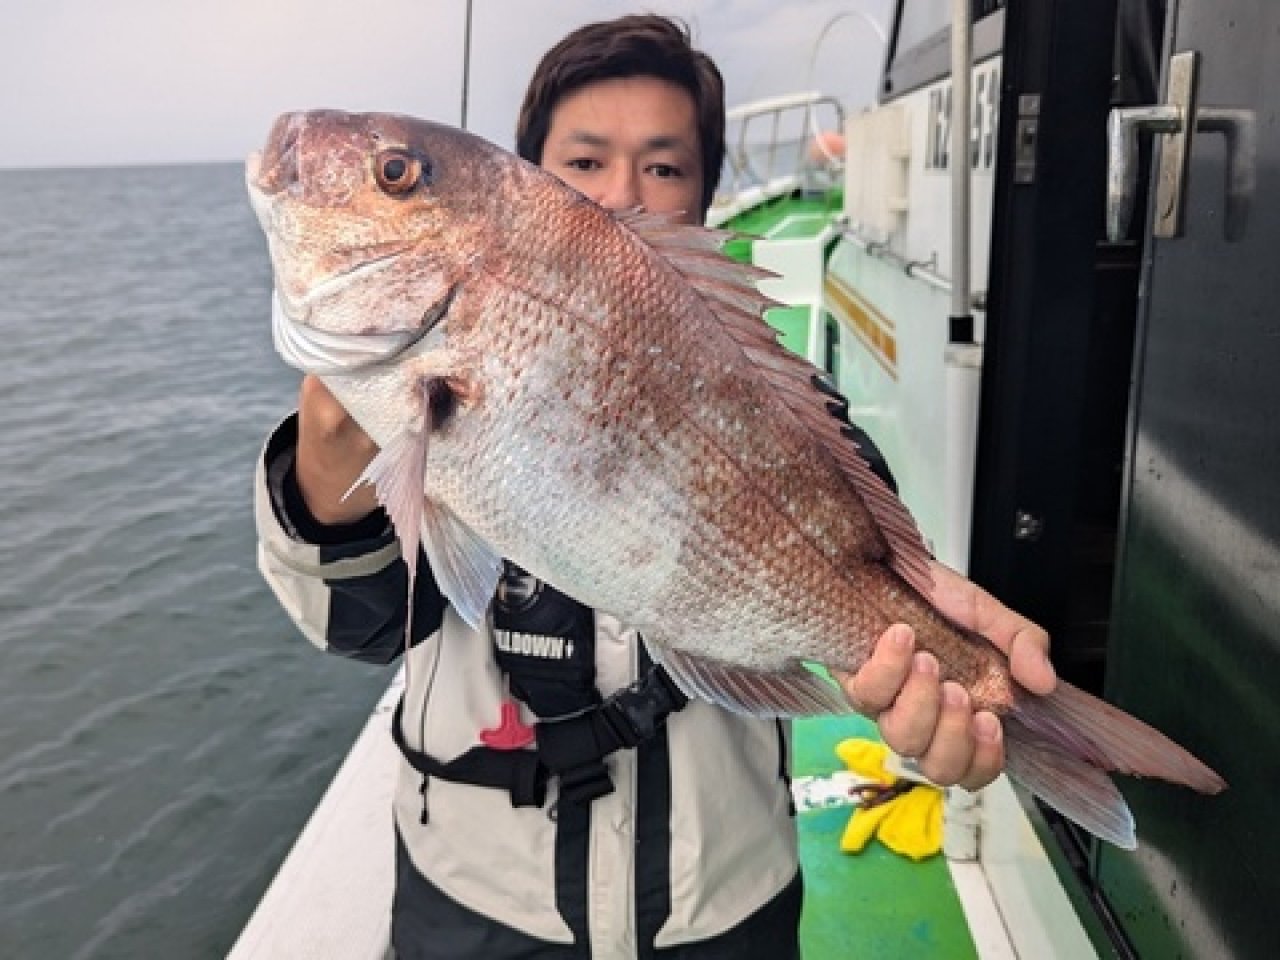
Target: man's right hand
332,453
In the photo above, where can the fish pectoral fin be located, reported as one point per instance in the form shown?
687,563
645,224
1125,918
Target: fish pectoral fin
465,566
397,476
793,691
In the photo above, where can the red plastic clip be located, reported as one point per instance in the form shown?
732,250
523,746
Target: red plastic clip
510,733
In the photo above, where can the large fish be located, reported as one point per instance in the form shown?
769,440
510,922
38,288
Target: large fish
597,398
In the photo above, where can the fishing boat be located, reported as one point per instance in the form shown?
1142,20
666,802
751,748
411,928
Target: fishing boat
1046,295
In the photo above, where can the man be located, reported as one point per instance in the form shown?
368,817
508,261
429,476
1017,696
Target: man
640,825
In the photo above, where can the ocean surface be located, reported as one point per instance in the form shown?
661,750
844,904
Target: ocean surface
164,731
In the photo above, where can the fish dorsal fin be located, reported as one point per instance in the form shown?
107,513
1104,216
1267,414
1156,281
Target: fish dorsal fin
465,567
729,289
791,692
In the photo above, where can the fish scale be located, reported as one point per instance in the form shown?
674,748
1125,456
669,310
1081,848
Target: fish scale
624,426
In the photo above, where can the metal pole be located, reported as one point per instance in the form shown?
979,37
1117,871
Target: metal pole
466,66
961,124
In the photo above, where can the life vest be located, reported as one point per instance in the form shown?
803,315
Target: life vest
544,642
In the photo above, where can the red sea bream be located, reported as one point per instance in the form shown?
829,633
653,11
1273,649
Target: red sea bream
596,397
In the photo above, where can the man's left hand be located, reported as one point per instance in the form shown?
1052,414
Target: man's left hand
935,722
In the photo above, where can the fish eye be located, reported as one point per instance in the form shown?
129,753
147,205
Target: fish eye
397,171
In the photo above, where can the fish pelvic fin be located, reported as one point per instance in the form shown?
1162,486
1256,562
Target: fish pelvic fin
793,691
465,567
728,287
1062,746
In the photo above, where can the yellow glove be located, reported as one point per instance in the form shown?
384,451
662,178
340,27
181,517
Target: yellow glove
913,825
866,759
907,820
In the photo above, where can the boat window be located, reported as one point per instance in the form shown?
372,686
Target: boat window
920,47
918,20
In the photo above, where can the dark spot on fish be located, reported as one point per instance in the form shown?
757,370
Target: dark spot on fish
441,400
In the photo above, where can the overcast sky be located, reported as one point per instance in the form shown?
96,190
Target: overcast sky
87,82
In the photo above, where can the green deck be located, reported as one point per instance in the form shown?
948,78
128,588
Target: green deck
789,216
874,905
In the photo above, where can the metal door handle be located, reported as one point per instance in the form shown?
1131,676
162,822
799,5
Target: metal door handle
1238,128
1239,131
1123,126
1170,119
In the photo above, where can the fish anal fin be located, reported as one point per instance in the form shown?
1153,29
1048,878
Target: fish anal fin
793,691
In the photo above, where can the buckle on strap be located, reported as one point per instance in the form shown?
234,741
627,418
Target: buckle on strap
635,713
626,719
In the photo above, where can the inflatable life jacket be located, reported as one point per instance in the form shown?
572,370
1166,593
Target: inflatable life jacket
544,642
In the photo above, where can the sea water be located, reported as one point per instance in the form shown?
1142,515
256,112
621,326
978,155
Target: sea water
164,730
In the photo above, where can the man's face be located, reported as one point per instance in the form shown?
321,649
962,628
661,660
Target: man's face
629,142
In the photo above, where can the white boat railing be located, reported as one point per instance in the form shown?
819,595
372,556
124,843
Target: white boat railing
775,146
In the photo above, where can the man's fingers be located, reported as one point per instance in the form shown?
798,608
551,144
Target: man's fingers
332,453
875,686
988,752
1030,663
1025,642
949,754
909,725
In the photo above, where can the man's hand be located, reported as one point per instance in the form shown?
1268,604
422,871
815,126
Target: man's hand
935,722
332,453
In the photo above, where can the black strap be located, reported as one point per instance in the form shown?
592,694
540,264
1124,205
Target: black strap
572,749
519,772
575,748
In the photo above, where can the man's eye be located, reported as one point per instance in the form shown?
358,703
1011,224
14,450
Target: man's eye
583,164
664,171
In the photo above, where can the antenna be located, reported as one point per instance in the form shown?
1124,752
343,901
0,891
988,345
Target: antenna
466,66
822,35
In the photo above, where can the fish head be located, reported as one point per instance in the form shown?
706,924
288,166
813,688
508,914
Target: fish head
367,217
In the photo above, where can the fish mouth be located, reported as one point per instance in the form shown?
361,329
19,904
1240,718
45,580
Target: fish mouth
261,200
274,167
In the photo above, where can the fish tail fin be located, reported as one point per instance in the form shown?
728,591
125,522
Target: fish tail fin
1062,746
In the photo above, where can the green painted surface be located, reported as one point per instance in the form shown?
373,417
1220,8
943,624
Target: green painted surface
803,225
785,217
874,905
802,211
793,324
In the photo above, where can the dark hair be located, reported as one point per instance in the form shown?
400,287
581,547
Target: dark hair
645,46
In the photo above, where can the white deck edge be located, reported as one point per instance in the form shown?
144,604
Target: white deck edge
1012,897
331,898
